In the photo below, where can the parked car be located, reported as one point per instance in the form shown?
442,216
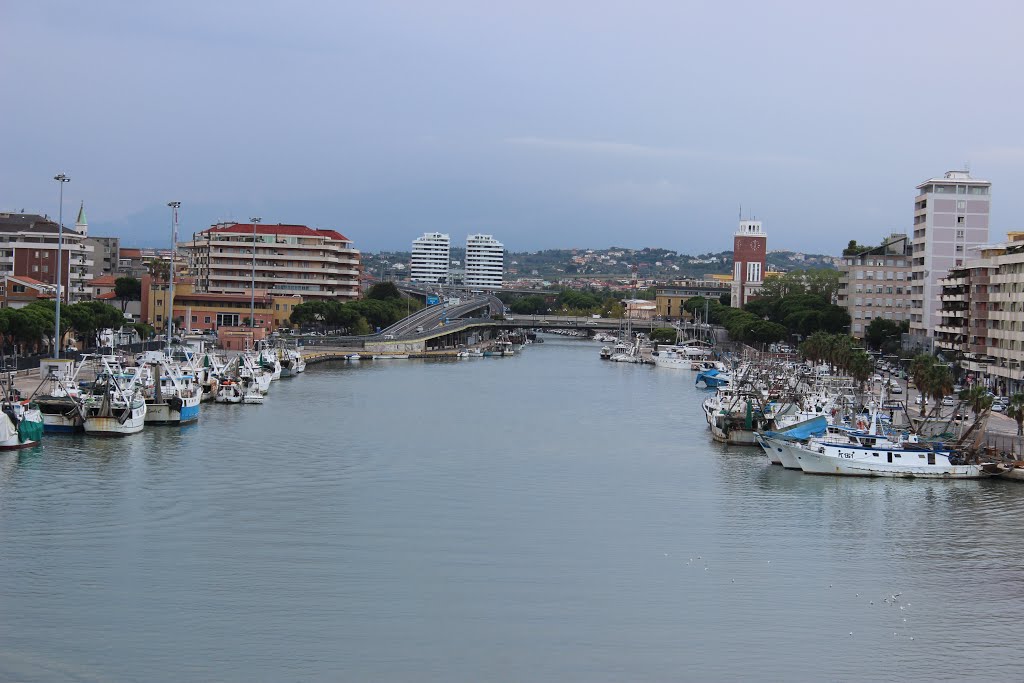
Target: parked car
998,407
948,401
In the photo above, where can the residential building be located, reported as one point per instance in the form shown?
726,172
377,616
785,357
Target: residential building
28,247
18,291
875,283
485,262
106,255
670,299
750,249
982,315
640,309
951,217
290,259
430,258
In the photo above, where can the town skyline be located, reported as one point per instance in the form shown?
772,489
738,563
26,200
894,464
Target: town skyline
550,125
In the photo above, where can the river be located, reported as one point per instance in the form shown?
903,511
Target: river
547,517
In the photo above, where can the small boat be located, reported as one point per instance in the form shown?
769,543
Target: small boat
606,353
476,353
462,354
353,358
21,425
229,391
713,379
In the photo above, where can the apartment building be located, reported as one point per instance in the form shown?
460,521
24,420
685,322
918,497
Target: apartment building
485,262
876,283
670,298
28,247
951,217
289,259
982,314
430,258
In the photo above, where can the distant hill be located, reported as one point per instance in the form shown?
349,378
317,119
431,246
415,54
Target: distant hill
652,263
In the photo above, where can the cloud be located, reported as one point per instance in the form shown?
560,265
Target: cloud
999,155
629,149
658,193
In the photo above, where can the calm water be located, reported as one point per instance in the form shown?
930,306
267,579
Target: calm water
548,517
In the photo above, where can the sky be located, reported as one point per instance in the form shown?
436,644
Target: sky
547,124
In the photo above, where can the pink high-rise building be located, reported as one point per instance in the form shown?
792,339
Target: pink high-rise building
951,216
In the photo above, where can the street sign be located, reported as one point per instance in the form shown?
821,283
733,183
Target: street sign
433,300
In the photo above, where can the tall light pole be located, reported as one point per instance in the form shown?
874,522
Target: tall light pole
170,278
61,179
252,304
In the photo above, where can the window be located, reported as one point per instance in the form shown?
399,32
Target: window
959,220
195,318
35,269
159,317
960,234
961,205
959,249
46,269
206,320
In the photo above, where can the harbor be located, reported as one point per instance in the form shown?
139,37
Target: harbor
601,494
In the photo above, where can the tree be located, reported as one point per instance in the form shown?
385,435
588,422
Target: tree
920,369
939,384
384,291
159,269
978,398
1016,411
127,289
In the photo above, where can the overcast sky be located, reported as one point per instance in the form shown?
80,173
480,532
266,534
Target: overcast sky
548,124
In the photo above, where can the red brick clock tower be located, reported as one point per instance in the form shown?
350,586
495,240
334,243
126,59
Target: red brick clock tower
749,248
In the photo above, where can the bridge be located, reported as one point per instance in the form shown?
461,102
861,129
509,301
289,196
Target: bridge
475,321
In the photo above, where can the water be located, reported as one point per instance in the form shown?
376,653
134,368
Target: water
548,517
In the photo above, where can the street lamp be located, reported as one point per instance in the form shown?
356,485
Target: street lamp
252,304
61,179
170,280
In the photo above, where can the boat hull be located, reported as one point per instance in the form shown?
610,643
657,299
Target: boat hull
165,414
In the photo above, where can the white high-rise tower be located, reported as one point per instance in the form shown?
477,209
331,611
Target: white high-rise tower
485,262
430,258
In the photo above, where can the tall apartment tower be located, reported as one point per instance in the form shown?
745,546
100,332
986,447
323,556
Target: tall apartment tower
485,262
430,258
950,220
749,250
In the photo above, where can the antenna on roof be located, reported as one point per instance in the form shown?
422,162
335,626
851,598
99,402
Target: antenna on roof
741,211
967,167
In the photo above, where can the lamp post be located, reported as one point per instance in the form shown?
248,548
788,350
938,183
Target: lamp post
252,305
61,179
170,279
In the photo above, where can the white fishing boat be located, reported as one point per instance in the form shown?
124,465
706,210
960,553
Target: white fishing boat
229,391
172,396
353,358
112,403
251,394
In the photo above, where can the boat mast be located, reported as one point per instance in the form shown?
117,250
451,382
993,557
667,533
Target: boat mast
252,303
170,276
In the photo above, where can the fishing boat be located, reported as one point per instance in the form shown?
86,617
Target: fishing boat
800,431
172,396
712,378
353,358
229,391
606,353
60,404
112,403
21,425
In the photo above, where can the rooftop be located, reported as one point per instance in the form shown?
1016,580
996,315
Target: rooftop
278,229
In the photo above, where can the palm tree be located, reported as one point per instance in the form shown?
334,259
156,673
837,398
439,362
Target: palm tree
859,368
920,369
978,398
1016,411
939,382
